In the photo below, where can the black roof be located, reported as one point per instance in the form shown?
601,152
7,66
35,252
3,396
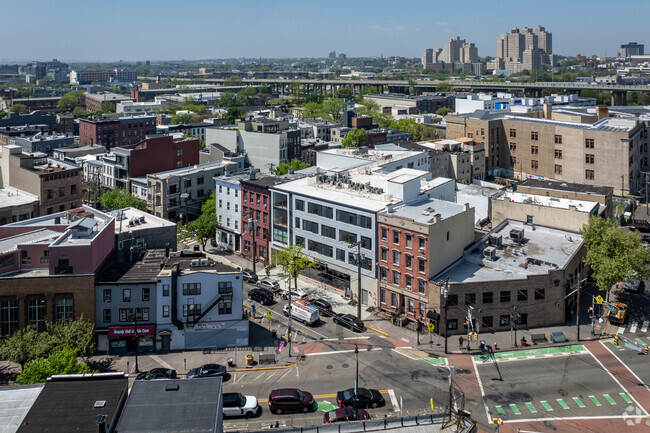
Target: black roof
568,186
185,264
262,181
172,406
67,403
145,270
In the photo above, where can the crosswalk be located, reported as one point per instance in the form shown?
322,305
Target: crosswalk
561,404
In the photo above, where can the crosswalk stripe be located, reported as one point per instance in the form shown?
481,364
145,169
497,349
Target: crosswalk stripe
515,409
644,326
609,399
578,402
633,327
562,403
500,410
531,408
621,329
625,397
595,400
546,405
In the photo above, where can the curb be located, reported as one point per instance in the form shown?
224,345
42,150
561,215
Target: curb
377,330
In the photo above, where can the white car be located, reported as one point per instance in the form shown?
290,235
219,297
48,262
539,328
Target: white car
295,294
236,404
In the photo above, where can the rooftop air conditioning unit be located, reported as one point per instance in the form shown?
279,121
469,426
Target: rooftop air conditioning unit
194,263
517,234
490,253
204,262
496,240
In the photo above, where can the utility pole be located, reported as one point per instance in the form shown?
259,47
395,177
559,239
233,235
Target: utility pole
578,309
444,285
359,258
593,315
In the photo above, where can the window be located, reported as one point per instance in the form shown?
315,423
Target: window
126,314
225,307
8,316
408,281
107,295
320,210
504,320
327,231
422,285
421,244
165,290
488,297
297,223
126,295
452,324
396,278
50,193
411,306
225,287
513,147
534,164
558,139
64,309
61,207
470,298
340,255
179,152
299,241
300,205
349,237
558,169
540,294
354,219
73,189
486,322
534,136
558,153
513,133
522,319
36,312
146,295
191,310
589,174
504,296
534,150
422,265
408,261
179,164
396,257
393,299
529,220
452,300
383,273
384,254
188,184
220,204
384,234
107,315
61,191
396,237
24,258
366,242
382,296
589,159
522,295
165,311
589,143
408,240
200,180
190,289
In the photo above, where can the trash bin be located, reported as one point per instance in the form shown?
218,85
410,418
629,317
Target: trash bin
274,333
231,363
249,359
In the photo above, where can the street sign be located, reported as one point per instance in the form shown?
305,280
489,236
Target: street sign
269,315
599,299
432,403
281,346
431,327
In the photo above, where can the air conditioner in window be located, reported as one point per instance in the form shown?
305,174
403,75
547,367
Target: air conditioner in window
408,287
384,279
422,249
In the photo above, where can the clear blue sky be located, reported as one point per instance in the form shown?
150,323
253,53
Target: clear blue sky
91,30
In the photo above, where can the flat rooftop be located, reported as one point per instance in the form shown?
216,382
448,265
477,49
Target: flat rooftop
15,197
553,202
15,402
191,170
425,210
186,264
568,186
130,219
541,250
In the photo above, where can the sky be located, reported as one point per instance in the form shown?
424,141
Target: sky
138,30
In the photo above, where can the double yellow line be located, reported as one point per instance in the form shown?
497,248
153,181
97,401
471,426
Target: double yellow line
265,400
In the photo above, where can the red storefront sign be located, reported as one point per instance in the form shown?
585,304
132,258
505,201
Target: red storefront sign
129,331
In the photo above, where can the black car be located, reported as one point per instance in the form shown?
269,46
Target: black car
207,370
249,276
324,307
157,373
263,296
349,321
365,398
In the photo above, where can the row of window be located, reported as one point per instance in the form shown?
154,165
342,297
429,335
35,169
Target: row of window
408,259
330,232
36,312
396,279
126,294
341,255
252,197
504,297
487,322
228,205
49,194
408,238
227,189
410,303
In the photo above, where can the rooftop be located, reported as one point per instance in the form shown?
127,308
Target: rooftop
425,210
539,251
38,236
51,165
107,96
143,271
188,263
14,197
568,186
554,202
191,170
130,219
15,402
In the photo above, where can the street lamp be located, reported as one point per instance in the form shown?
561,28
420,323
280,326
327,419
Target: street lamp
252,228
135,333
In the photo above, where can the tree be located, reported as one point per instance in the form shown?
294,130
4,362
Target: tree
233,81
19,108
355,138
203,227
291,259
611,254
294,164
312,109
297,89
443,111
71,100
313,97
78,334
24,346
333,107
345,92
233,114
107,107
62,361
181,118
228,99
245,96
369,107
119,199
443,87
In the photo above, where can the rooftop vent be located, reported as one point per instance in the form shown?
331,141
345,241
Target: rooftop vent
517,234
490,253
495,240
99,404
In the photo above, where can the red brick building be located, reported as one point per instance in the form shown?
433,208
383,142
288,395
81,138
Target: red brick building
115,132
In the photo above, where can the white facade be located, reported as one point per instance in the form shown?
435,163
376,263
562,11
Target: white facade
382,160
135,108
228,204
263,150
479,102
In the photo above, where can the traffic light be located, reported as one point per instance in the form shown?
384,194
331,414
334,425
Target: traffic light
497,421
645,350
475,336
615,340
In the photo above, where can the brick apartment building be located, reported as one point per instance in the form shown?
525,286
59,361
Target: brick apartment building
94,101
115,132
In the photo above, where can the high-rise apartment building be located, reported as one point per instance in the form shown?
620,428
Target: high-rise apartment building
456,50
632,49
525,49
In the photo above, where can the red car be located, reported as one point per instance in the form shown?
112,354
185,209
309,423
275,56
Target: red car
345,414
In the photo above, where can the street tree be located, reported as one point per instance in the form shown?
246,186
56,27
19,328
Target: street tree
294,164
233,114
119,199
292,260
203,227
78,334
19,108
333,107
24,346
181,118
443,111
71,100
107,107
355,138
612,254
61,361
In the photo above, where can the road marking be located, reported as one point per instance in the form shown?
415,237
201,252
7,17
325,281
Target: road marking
609,399
625,397
633,327
377,330
546,405
272,374
645,412
500,410
393,400
480,386
241,376
640,341
515,409
577,418
562,403
405,340
644,326
342,351
259,377
579,402
160,361
595,400
282,377
531,408
621,329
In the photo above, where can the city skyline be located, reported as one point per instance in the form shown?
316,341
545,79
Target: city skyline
84,32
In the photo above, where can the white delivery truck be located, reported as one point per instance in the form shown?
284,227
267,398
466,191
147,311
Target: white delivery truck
302,312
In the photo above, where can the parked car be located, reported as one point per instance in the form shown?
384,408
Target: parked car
291,400
295,294
365,398
236,404
269,284
324,307
157,373
263,296
345,414
249,276
349,321
207,370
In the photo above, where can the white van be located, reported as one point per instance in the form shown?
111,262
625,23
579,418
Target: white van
302,312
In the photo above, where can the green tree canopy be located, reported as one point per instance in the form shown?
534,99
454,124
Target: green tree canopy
107,107
294,164
443,111
61,361
228,99
182,118
611,254
345,92
443,87
312,109
203,227
233,81
19,108
245,96
355,138
119,199
71,100
233,114
25,345
292,259
333,107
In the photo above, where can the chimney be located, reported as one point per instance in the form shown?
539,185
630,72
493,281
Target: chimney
602,111
548,111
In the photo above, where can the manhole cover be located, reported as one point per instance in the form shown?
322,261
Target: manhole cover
562,392
329,367
415,378
344,365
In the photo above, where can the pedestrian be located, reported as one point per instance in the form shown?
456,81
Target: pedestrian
460,342
253,309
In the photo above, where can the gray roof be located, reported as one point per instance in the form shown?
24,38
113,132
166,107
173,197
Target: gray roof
85,222
15,402
143,271
37,236
568,186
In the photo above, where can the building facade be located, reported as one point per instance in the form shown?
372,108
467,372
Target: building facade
115,132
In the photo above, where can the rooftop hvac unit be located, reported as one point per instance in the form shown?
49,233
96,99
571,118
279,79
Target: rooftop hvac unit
204,262
517,234
490,253
496,240
194,263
